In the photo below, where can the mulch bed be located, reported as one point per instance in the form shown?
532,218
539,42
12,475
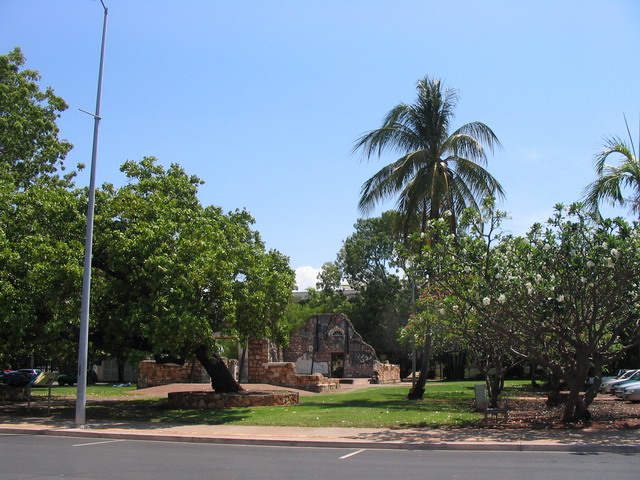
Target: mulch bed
607,413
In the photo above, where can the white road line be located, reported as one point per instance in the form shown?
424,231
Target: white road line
96,443
352,453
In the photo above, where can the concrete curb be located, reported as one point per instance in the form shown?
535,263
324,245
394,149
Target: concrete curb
522,446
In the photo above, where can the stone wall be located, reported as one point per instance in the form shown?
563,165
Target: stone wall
152,374
258,355
385,373
328,344
229,400
284,374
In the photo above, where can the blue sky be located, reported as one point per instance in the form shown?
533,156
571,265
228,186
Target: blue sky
264,99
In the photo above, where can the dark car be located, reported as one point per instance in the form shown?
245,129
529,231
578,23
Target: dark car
67,379
72,378
22,377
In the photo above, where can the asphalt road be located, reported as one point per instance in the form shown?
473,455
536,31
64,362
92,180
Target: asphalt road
48,457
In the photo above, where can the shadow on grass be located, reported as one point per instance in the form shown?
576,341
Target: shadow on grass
152,412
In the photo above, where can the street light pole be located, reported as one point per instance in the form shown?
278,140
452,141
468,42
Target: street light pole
83,349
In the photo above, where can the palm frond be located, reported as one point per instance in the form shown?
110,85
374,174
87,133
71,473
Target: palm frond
479,181
612,145
608,187
482,133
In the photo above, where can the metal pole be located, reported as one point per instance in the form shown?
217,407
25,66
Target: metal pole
413,353
81,400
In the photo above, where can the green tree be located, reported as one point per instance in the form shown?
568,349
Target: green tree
40,222
172,276
369,262
438,171
613,180
40,272
29,143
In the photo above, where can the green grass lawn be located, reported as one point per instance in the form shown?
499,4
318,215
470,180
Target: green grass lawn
444,404
93,391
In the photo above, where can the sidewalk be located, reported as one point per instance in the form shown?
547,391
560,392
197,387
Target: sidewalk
618,441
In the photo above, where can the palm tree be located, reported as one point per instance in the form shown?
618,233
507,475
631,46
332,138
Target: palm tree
437,171
612,179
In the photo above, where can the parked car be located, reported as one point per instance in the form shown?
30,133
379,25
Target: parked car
608,377
22,377
632,394
72,378
607,387
3,373
621,387
67,379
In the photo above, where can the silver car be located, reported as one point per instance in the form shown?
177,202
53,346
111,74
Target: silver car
609,386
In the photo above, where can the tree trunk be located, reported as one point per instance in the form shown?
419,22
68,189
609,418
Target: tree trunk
221,379
553,396
495,384
120,363
576,410
417,391
594,388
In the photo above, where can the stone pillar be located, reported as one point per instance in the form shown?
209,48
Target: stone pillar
258,355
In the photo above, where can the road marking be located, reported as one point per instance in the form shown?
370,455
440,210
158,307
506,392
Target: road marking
352,453
96,443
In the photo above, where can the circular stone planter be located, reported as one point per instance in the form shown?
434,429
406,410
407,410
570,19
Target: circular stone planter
265,398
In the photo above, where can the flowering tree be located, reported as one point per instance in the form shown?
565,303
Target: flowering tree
564,296
463,262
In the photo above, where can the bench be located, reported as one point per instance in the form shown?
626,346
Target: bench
482,405
495,412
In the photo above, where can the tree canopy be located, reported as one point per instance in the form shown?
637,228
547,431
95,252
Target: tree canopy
171,276
439,170
29,143
565,296
40,220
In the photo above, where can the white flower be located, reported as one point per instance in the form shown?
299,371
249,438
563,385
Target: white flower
615,253
441,311
590,264
609,262
455,308
583,280
538,278
486,301
502,298
529,288
605,245
560,298
446,213
546,247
